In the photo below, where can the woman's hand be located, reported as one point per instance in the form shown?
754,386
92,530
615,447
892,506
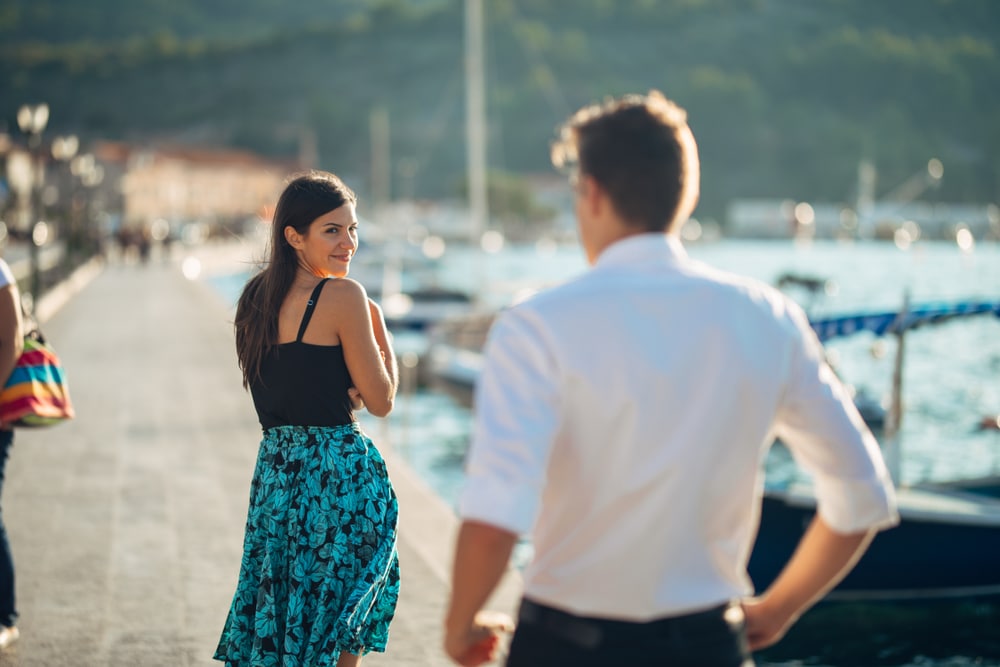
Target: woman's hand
357,403
478,644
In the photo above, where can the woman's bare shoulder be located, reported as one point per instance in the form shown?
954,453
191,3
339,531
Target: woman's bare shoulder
345,292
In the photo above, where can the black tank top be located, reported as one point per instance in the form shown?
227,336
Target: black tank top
302,384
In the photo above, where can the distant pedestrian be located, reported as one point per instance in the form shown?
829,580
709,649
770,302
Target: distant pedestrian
623,418
11,344
319,577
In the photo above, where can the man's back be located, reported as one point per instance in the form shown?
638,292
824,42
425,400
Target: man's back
667,378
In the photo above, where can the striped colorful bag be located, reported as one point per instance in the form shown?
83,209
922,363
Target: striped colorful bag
36,393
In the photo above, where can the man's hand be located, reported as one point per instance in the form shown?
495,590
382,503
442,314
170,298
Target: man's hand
821,560
479,643
765,627
482,553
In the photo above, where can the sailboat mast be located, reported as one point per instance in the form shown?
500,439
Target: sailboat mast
893,450
475,109
381,174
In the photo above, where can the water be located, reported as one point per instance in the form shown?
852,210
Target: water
950,383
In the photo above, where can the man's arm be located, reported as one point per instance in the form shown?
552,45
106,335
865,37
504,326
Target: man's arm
517,417
482,553
855,498
821,560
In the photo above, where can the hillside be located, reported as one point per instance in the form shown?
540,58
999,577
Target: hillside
784,96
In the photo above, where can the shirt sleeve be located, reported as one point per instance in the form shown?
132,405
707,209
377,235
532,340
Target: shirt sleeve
822,428
6,275
516,420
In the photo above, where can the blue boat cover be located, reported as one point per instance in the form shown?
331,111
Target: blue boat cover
896,322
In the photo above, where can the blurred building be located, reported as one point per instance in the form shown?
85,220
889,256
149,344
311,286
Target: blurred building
184,185
761,218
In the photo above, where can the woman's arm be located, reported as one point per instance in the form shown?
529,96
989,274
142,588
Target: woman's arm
369,357
11,330
383,339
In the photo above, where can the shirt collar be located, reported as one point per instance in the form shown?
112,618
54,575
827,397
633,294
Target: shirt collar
642,248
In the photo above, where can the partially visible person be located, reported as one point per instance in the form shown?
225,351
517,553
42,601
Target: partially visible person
990,423
11,344
622,419
319,577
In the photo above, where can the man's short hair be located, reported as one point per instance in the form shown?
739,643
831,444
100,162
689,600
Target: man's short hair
640,149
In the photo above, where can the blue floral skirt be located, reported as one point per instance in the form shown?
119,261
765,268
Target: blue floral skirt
319,574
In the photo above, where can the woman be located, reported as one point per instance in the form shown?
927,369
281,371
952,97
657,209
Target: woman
319,577
11,344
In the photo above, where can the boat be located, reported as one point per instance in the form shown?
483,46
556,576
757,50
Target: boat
454,356
405,282
947,543
421,308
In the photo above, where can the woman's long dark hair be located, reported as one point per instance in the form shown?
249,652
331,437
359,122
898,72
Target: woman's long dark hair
304,199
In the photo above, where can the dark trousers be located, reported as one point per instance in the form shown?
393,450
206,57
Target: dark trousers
549,637
8,610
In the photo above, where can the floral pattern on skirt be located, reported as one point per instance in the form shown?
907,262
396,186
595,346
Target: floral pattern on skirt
319,574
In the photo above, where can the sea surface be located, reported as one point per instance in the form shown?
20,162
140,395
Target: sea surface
951,381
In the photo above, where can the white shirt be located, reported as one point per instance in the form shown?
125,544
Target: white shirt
6,275
624,416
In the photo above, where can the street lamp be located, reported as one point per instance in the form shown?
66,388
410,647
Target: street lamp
90,175
63,150
32,120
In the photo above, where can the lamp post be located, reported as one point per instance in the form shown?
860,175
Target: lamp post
63,150
90,175
32,119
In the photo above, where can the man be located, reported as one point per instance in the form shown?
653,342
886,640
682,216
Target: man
622,419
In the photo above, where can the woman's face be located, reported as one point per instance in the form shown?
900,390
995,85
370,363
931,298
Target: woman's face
329,244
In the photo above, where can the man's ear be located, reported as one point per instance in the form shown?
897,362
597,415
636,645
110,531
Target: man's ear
293,237
593,195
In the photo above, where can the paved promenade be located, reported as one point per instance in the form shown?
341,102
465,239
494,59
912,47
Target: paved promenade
127,523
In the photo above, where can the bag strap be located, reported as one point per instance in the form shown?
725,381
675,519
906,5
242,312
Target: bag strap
310,307
29,325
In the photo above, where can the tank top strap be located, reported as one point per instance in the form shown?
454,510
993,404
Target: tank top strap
310,307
